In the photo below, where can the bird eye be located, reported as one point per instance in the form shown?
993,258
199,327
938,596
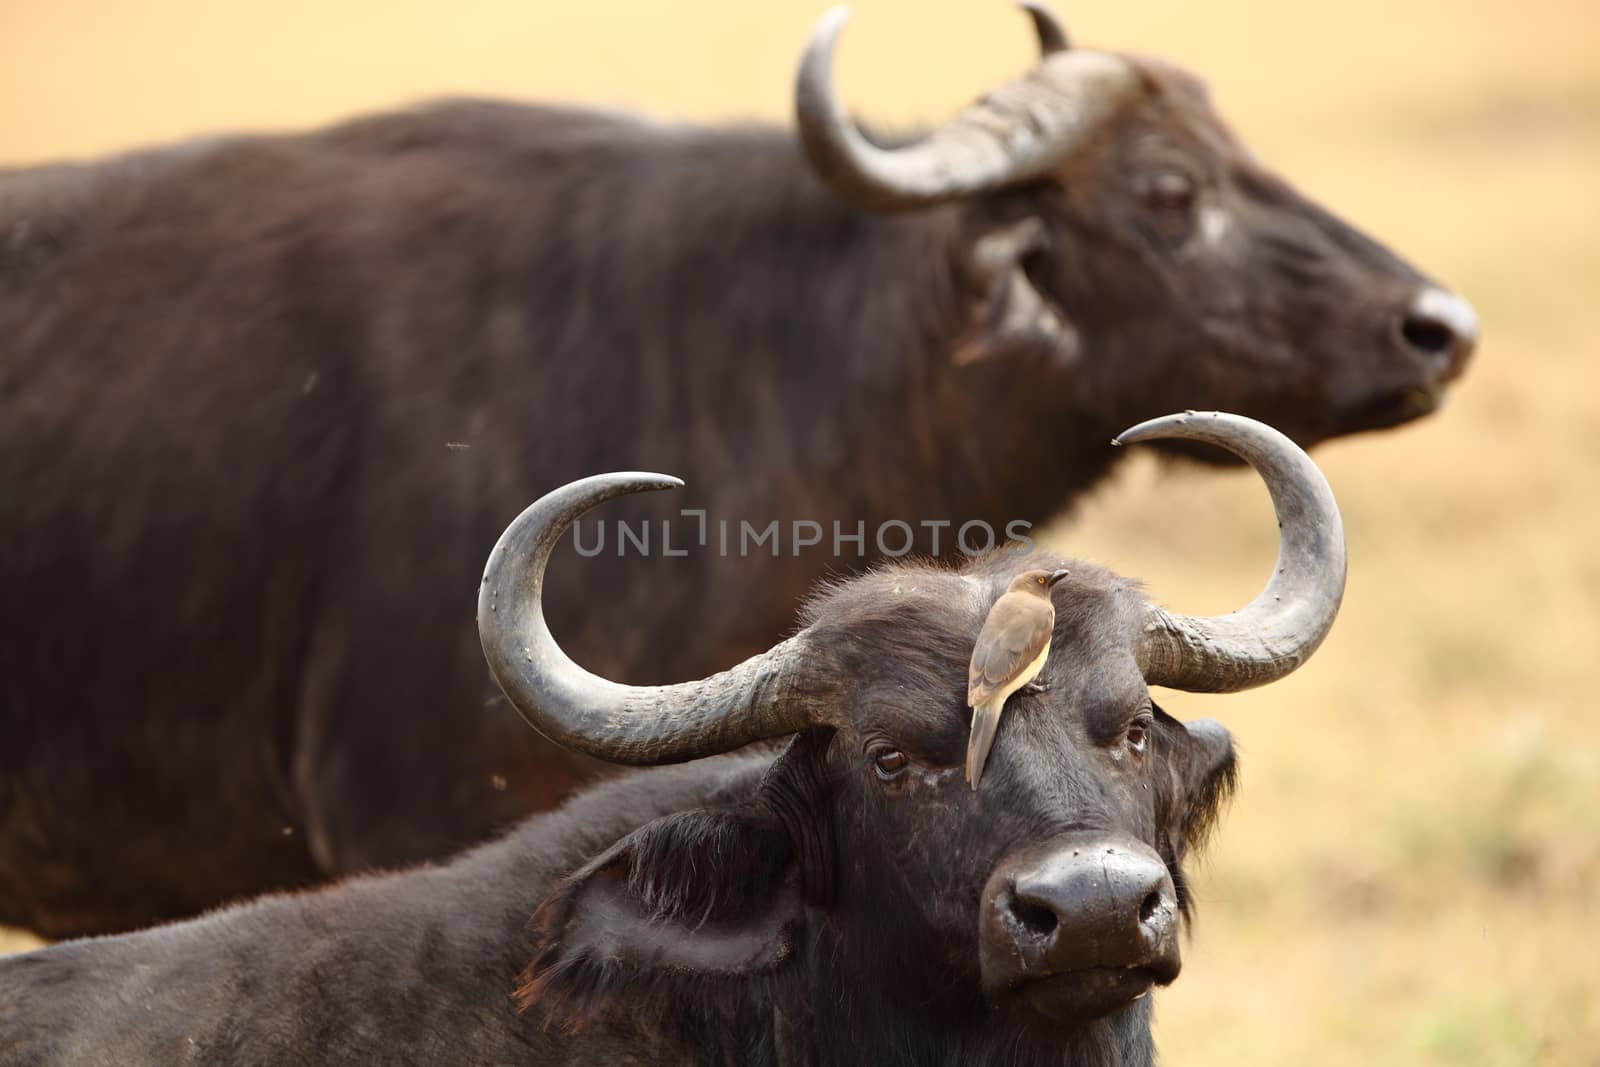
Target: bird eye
1171,190
888,763
1039,580
1139,734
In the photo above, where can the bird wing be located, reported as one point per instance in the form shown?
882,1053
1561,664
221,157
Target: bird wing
1013,636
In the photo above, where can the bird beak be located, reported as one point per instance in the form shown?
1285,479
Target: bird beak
1056,576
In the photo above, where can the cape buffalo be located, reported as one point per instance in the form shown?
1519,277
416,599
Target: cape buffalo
264,399
849,901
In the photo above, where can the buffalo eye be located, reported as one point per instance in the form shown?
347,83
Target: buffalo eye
1172,191
888,763
1138,734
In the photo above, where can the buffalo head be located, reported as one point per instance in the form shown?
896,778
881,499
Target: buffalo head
865,872
1111,224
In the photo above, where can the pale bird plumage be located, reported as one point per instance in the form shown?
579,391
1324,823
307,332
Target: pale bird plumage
1013,646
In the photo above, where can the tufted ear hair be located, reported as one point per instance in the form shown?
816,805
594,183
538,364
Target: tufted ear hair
696,896
1008,313
1197,778
1207,772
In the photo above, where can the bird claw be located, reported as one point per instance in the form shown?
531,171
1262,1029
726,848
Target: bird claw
1036,688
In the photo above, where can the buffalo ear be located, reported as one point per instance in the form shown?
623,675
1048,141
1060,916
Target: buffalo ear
1008,313
707,894
1205,772
701,893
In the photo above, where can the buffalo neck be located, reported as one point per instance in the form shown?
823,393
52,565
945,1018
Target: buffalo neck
772,343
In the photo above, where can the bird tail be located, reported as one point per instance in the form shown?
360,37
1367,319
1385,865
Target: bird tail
985,721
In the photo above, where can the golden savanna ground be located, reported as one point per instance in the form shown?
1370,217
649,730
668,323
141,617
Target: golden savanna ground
1410,872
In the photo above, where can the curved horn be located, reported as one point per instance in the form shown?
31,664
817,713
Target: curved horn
761,697
1052,35
1021,131
1280,629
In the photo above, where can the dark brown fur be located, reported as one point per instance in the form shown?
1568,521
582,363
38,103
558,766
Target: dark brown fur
265,403
752,909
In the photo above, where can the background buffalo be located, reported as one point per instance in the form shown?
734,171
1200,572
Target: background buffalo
266,398
1411,888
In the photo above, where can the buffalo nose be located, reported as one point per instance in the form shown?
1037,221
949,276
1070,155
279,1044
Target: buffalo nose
1104,903
1441,327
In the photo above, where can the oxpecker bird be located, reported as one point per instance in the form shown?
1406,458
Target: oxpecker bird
1011,650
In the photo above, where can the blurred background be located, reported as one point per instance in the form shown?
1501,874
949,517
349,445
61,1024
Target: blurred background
1411,871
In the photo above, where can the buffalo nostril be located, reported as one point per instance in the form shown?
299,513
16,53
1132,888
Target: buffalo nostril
1094,905
1428,335
1442,326
1037,920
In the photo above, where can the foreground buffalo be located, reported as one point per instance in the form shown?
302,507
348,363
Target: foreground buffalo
264,399
849,901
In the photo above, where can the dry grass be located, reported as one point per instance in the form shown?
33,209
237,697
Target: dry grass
1409,873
